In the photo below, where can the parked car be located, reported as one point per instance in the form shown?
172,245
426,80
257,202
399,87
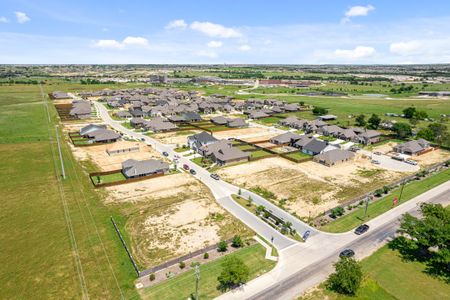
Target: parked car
361,229
215,176
165,153
142,139
347,253
377,153
306,235
186,167
411,162
192,171
354,148
375,162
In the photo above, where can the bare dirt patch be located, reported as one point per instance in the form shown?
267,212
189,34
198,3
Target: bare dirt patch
432,157
177,137
310,188
170,217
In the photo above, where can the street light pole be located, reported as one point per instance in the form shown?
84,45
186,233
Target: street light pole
197,278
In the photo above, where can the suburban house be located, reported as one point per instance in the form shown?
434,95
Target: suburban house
414,147
222,152
132,168
102,136
159,125
191,117
255,114
302,141
137,113
220,120
332,130
285,138
90,128
137,122
333,157
369,137
315,147
348,135
81,109
57,95
234,123
197,141
123,114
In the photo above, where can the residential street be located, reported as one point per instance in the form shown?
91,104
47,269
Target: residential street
300,265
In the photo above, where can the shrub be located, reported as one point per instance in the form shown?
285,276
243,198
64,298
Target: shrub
234,272
379,192
347,278
237,242
337,212
222,247
152,277
206,255
182,265
386,189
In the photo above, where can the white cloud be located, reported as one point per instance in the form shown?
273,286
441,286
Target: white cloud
357,53
406,48
3,20
215,30
131,41
135,41
215,44
357,11
206,53
22,17
245,48
181,24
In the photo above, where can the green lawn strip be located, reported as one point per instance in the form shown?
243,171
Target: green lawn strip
298,155
327,138
181,149
182,286
378,207
246,147
202,162
259,153
110,178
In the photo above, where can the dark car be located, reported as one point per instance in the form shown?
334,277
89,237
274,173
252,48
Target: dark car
192,171
347,253
361,229
215,176
165,153
186,167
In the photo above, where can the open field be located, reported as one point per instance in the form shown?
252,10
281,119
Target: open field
57,239
310,188
411,190
381,269
182,286
160,219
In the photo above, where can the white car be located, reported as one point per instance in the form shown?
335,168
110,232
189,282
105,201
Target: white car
411,162
375,162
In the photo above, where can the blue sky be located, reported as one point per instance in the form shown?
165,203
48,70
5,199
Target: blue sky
271,32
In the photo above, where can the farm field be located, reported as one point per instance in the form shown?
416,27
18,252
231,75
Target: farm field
379,269
57,238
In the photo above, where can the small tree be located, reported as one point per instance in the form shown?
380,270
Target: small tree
239,192
222,247
206,255
402,130
234,272
182,265
409,112
319,110
237,242
374,121
360,120
260,209
152,277
347,278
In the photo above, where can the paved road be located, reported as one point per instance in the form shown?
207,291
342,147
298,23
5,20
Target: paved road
221,190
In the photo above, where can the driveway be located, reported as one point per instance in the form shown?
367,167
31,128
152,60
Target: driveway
386,162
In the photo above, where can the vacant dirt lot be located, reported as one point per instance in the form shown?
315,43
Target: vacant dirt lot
106,162
310,187
171,216
432,157
178,137
242,133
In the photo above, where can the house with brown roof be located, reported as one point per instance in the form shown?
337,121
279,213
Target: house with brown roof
222,152
413,147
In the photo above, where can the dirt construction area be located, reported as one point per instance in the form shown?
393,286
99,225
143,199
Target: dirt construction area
309,187
171,216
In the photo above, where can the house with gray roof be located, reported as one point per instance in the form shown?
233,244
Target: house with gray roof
159,125
333,157
413,147
220,120
222,152
197,141
123,114
90,128
285,138
369,137
236,123
81,109
132,168
256,114
315,147
57,95
302,141
102,136
137,122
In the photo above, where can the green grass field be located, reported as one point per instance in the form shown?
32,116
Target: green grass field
388,276
182,286
411,190
298,155
259,153
57,239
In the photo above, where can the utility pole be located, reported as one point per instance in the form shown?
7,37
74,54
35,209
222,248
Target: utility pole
197,278
401,191
367,206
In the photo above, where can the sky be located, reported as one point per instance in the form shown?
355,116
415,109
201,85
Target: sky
224,31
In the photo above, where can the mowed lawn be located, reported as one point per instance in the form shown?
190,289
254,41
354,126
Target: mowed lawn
411,190
387,276
57,241
182,286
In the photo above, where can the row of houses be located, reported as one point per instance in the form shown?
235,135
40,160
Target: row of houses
353,134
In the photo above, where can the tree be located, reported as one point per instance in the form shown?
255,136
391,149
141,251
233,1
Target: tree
234,272
409,112
360,120
402,130
427,239
347,277
426,134
206,255
420,115
302,103
374,121
440,131
222,247
237,242
319,110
